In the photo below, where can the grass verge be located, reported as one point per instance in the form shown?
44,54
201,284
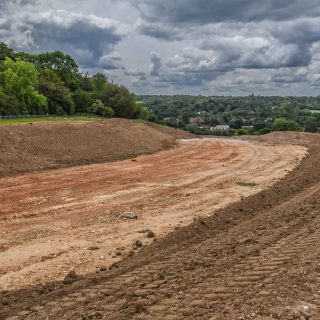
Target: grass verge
78,117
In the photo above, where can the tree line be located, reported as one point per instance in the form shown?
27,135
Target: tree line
51,83
244,115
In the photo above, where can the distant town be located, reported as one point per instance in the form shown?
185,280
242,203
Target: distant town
235,115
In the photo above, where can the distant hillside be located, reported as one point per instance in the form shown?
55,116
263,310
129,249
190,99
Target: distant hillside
38,146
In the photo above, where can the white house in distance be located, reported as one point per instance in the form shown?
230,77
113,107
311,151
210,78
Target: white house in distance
224,127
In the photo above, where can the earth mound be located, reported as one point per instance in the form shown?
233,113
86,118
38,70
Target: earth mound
47,145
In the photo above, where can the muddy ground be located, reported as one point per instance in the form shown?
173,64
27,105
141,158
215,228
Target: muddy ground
257,258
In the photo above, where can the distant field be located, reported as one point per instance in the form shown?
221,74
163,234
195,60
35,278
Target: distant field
315,111
83,117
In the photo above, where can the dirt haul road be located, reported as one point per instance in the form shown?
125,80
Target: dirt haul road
236,263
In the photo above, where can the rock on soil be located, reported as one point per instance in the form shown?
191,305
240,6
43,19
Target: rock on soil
129,216
137,244
70,278
150,234
93,248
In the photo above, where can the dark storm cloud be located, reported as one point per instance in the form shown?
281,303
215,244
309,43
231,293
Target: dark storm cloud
87,37
204,11
80,32
302,31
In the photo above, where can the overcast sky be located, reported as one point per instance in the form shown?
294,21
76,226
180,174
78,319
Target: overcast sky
210,47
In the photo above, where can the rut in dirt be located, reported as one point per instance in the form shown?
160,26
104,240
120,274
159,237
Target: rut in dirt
256,259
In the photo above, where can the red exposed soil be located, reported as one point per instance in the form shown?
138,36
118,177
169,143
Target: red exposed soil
257,258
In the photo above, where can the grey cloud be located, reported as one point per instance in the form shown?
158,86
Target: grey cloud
221,48
158,31
302,31
224,45
269,80
97,35
156,64
232,34
5,3
189,79
289,76
88,37
257,52
204,11
111,61
134,73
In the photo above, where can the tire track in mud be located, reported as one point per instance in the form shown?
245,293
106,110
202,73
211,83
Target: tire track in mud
243,263
246,280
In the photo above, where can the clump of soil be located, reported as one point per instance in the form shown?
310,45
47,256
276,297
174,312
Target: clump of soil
137,244
150,234
70,278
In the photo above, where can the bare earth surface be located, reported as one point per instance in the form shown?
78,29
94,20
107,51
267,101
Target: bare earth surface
50,219
258,258
47,145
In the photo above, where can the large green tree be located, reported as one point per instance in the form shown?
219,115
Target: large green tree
312,124
83,101
51,82
285,125
20,79
10,105
57,61
58,96
122,101
99,83
100,109
6,52
62,64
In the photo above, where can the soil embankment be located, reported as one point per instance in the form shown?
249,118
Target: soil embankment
48,145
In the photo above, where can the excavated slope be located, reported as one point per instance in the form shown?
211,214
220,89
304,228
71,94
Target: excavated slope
48,145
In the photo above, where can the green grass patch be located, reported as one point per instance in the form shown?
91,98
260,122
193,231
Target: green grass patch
78,117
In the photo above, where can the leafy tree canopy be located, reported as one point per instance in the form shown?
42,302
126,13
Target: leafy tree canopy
58,96
285,125
50,82
21,80
6,52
